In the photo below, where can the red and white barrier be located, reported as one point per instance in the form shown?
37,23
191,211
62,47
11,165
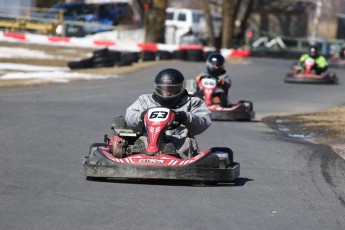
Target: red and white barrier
87,42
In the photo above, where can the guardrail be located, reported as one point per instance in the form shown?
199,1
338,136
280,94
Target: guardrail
278,43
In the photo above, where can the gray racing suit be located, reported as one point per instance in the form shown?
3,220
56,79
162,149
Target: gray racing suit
198,120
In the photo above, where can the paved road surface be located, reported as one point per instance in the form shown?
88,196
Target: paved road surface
284,183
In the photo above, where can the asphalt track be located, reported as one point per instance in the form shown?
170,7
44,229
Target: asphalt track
284,184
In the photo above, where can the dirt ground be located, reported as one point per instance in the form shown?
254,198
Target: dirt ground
328,127
324,127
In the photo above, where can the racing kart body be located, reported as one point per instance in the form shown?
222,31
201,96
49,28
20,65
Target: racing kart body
119,157
307,74
240,111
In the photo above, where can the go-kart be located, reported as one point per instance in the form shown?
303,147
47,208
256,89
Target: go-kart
307,74
121,157
240,111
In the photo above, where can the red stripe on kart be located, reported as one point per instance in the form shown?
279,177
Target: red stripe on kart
310,76
143,159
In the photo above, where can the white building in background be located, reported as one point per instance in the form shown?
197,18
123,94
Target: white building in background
14,7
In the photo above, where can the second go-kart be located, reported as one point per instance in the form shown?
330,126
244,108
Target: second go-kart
307,74
120,157
240,111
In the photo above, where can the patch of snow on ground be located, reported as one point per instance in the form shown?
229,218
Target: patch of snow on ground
8,52
29,68
55,76
46,73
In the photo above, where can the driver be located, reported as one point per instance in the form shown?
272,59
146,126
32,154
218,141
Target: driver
191,112
321,64
215,68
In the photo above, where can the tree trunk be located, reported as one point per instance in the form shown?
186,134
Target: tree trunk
155,22
209,23
246,16
227,25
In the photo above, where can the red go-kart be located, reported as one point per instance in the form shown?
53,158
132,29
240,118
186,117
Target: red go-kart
240,111
307,74
119,157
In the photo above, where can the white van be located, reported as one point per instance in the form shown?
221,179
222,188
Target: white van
179,21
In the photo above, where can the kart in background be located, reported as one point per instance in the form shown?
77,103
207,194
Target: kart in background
240,111
307,74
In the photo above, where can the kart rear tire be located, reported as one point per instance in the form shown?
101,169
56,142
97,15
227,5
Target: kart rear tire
232,115
225,149
251,106
292,79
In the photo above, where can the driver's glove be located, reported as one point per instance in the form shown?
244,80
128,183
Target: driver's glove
181,117
221,81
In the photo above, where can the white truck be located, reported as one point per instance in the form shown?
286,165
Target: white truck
180,21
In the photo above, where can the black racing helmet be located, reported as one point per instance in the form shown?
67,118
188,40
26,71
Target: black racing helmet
169,87
215,64
313,51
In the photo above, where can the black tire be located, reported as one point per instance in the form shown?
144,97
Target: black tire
126,59
102,53
251,106
225,149
194,55
103,64
164,55
82,64
179,54
232,115
99,62
115,56
148,55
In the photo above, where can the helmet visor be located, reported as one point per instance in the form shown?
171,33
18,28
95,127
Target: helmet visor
217,67
168,90
313,52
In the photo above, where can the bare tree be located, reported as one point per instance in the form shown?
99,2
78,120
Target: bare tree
209,22
227,22
153,13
